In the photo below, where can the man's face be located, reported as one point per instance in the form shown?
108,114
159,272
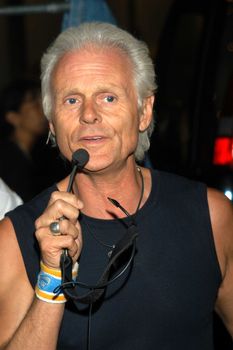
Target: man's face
95,107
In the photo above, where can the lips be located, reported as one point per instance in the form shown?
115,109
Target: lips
95,139
92,138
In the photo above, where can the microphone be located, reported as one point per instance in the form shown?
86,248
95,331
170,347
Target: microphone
79,159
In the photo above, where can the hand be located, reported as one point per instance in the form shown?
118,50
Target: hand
66,206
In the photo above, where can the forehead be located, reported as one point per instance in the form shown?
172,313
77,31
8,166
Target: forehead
96,62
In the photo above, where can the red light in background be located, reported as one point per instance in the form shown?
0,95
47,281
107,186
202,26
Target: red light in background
223,151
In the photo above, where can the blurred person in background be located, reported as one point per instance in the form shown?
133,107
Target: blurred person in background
25,165
22,123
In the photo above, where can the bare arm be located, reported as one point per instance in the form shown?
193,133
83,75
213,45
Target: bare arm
221,212
27,322
39,329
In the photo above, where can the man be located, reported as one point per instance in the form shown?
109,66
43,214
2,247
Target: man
23,129
22,124
8,199
98,92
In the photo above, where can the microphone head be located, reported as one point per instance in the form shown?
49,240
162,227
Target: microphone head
80,158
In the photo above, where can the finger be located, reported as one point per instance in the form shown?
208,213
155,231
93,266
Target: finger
51,247
67,197
66,227
57,210
68,242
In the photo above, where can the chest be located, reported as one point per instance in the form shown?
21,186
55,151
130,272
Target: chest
170,287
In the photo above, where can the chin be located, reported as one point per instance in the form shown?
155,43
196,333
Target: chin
98,164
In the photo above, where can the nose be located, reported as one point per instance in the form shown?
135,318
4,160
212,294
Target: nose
89,113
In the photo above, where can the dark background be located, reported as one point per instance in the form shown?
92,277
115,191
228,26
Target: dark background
191,42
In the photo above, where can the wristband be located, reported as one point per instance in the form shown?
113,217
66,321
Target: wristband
48,280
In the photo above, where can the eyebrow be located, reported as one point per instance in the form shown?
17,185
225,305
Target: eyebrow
74,91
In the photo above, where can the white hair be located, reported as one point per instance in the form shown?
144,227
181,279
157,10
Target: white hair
108,36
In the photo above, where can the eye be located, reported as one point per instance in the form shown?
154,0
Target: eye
71,101
109,98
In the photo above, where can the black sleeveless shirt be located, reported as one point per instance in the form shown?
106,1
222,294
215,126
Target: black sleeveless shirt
166,299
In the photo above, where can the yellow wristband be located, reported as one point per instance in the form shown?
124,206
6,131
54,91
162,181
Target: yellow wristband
48,280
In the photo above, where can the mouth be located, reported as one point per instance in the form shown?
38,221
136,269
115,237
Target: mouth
93,139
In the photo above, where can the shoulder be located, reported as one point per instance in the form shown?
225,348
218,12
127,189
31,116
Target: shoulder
221,209
9,199
8,246
177,187
34,207
24,216
221,216
172,178
10,254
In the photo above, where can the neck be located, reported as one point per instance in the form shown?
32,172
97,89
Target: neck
94,190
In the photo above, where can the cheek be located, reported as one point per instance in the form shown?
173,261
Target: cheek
129,136
61,134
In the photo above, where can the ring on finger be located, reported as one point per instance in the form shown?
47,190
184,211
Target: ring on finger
55,228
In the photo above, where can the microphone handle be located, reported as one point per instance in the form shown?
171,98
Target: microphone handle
80,158
65,254
71,179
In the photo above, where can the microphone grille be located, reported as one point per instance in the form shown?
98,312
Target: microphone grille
80,158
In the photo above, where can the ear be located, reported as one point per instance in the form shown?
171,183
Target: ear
147,113
12,118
